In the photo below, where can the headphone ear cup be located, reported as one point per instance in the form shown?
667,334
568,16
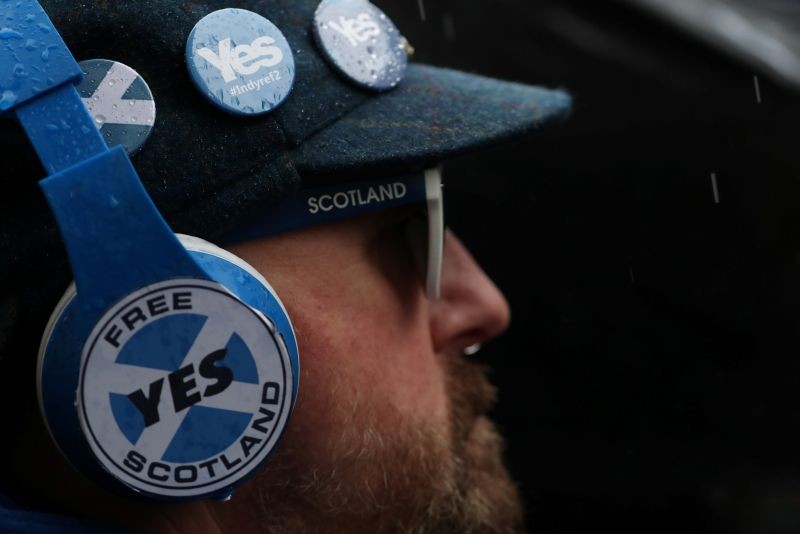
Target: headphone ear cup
61,348
250,286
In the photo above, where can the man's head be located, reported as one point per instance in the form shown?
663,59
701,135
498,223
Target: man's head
390,427
389,431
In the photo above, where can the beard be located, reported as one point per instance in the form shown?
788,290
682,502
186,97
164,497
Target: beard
382,472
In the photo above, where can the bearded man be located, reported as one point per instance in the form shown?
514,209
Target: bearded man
389,432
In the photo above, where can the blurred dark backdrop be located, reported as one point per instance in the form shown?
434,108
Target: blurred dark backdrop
650,381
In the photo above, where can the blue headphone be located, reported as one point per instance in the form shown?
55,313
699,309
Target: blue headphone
170,367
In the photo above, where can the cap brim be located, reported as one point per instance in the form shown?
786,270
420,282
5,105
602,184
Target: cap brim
432,115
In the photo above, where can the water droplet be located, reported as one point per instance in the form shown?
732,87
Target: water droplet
113,106
31,44
30,17
46,54
131,103
111,82
44,28
85,129
51,127
100,119
113,202
8,33
19,71
133,118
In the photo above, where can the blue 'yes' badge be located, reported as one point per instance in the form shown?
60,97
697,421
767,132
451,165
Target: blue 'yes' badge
240,61
361,42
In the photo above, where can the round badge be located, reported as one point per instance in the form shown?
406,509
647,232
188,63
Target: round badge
184,390
119,101
361,42
240,61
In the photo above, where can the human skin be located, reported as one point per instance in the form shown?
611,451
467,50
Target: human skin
379,356
388,433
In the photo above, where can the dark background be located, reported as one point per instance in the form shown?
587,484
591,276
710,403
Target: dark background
650,381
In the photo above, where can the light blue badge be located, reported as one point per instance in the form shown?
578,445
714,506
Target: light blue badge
361,42
119,101
240,61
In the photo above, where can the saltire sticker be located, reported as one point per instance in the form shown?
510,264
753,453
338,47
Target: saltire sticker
119,101
184,390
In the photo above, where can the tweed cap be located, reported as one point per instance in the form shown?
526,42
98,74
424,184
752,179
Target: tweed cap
209,171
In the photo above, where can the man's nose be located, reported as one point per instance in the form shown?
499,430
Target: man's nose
471,309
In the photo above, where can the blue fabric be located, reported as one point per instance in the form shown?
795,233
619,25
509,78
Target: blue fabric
14,519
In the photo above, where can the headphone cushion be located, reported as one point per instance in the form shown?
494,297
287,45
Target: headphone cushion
60,351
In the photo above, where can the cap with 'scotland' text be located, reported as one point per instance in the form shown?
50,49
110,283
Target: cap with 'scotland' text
212,163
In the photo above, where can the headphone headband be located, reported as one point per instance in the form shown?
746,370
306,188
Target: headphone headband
103,211
149,310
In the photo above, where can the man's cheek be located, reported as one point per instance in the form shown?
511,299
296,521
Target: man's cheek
400,365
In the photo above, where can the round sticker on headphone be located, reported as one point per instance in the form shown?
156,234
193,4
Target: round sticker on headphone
361,42
240,61
119,101
184,390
